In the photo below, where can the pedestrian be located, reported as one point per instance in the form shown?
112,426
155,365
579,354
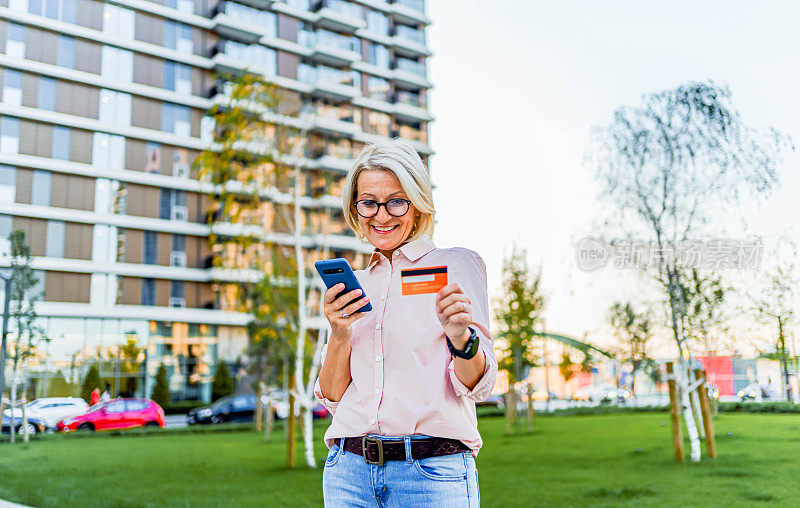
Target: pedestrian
106,394
401,380
95,396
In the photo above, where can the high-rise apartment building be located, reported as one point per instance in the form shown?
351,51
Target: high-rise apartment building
102,113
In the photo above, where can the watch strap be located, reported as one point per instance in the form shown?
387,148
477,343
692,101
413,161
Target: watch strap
470,349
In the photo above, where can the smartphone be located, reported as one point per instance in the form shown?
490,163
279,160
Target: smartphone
334,271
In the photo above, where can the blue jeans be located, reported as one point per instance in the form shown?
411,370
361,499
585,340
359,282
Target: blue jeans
448,480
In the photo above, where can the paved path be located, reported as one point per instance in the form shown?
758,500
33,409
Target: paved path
6,504
172,422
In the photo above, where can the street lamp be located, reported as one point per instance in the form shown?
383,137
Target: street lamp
6,300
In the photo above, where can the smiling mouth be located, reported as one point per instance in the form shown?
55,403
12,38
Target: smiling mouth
383,230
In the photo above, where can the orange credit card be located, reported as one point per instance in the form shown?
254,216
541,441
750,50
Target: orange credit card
420,281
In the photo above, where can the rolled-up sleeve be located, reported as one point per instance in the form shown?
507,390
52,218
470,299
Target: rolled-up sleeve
329,404
471,276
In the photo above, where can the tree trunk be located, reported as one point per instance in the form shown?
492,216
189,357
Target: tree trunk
290,420
11,431
25,437
676,309
785,395
2,410
694,398
259,416
269,416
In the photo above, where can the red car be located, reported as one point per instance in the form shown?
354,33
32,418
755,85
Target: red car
116,414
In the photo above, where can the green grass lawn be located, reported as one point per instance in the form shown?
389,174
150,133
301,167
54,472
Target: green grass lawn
610,460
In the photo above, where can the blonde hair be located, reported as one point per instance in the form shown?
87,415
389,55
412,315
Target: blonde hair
399,158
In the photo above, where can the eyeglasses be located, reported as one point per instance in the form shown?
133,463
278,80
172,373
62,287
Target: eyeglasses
396,207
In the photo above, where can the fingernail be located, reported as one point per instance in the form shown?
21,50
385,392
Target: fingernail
358,292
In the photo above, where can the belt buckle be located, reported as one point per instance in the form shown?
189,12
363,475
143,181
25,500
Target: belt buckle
364,441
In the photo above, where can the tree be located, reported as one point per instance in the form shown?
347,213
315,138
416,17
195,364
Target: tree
22,313
90,382
566,367
160,394
258,225
632,328
674,166
520,313
704,296
223,382
774,305
130,356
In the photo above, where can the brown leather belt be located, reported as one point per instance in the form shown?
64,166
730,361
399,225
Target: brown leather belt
376,451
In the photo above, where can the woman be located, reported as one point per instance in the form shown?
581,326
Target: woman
401,380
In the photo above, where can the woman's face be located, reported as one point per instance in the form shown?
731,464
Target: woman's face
384,231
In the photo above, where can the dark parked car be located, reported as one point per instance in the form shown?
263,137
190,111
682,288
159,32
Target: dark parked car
492,400
233,408
35,425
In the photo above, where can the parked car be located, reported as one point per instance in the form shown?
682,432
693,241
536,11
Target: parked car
601,393
233,408
492,400
116,414
755,392
50,410
35,425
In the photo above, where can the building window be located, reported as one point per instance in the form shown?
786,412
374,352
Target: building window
377,123
66,52
303,5
115,108
15,40
47,94
175,118
150,248
378,88
184,6
6,225
117,64
176,294
179,37
8,184
63,10
178,255
12,87
108,152
148,292
152,157
9,135
118,21
378,55
264,58
55,239
40,188
377,23
61,142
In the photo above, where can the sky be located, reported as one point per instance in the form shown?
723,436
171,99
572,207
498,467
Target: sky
518,87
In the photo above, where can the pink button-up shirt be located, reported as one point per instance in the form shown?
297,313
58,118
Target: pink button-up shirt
403,376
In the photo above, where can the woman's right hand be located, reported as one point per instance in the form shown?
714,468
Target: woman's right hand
345,305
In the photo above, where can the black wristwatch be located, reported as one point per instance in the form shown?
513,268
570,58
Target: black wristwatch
470,350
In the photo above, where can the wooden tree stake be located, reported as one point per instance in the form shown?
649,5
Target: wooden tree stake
705,408
675,412
531,415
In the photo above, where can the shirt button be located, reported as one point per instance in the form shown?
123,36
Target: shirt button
396,253
377,358
378,326
372,421
383,297
377,391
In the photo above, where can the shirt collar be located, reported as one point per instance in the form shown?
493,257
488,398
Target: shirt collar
412,250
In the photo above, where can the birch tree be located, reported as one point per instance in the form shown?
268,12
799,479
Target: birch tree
259,228
23,314
674,167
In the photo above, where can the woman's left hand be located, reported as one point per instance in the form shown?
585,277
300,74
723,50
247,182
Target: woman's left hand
455,313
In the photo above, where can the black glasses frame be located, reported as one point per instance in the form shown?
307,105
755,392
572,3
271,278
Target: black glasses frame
385,205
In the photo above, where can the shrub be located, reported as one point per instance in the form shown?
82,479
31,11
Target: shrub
90,382
160,393
223,382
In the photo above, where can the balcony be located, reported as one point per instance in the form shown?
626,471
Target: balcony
339,16
410,73
241,23
404,111
234,57
330,83
338,127
409,42
258,4
410,11
334,49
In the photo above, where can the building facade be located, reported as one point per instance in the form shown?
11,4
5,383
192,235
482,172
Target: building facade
103,111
